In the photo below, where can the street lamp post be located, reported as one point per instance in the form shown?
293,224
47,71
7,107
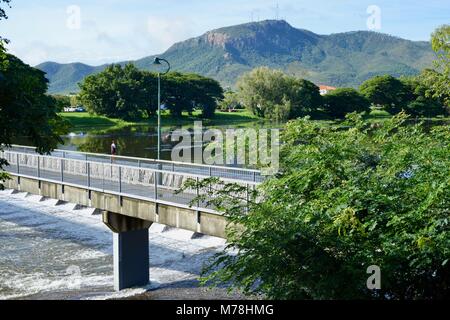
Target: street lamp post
157,61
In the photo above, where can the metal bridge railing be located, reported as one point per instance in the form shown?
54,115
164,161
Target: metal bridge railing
134,181
182,167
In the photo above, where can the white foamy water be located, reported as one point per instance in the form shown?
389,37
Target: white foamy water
59,252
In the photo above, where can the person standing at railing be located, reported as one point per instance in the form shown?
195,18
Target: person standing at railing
113,150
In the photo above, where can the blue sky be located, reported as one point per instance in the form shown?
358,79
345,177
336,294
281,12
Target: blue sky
115,30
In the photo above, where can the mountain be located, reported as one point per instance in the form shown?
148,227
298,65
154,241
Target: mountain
341,59
64,78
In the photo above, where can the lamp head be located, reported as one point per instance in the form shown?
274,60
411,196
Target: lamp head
158,61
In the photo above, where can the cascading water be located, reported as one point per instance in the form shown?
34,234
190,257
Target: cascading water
56,252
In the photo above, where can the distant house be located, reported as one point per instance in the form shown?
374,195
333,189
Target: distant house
325,89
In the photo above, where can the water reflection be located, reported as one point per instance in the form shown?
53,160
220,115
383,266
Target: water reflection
136,141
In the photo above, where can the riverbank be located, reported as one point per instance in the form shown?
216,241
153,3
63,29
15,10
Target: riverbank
85,120
193,292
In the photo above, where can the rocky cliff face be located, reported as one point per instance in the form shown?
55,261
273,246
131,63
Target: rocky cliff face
217,39
264,36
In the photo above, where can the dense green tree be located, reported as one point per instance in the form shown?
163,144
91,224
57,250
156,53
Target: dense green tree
340,102
208,93
128,93
118,92
25,109
421,103
261,90
272,94
185,92
411,94
345,198
438,80
306,98
387,92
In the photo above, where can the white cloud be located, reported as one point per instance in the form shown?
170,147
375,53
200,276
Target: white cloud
32,54
167,31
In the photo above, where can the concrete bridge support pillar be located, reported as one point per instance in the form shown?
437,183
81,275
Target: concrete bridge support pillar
131,250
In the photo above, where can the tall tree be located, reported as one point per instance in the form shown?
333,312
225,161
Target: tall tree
184,92
305,98
25,109
272,94
387,92
208,93
262,91
128,93
176,94
118,92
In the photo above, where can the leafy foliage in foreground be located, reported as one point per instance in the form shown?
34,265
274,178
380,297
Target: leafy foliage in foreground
343,201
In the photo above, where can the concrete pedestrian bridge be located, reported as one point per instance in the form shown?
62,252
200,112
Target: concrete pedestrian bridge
131,193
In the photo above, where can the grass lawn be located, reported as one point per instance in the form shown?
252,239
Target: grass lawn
85,120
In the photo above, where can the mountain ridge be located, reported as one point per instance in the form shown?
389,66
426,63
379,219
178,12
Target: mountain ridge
338,59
